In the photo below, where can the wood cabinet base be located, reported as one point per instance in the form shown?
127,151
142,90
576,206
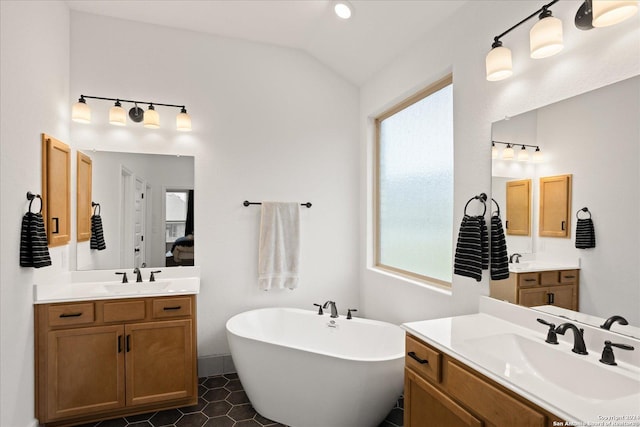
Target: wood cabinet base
109,358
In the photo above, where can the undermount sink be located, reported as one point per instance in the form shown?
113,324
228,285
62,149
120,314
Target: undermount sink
525,266
524,357
137,288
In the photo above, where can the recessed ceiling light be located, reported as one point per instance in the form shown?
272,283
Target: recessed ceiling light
343,9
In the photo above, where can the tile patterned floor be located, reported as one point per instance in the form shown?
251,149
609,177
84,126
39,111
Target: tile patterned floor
222,403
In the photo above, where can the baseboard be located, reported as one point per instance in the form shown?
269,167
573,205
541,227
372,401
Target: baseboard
209,366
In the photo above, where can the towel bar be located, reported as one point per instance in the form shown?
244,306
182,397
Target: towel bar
247,203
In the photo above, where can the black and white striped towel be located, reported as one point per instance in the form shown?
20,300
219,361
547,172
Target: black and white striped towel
468,260
499,257
585,234
34,250
97,235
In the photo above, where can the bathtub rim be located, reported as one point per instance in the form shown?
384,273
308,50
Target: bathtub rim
392,357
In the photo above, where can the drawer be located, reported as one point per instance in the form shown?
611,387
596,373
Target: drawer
171,307
528,279
71,314
549,278
422,359
124,311
491,403
569,277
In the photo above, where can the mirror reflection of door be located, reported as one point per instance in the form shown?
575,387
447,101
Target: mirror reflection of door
139,259
179,233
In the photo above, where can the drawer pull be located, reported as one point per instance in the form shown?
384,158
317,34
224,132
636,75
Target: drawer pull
530,280
176,307
569,277
413,355
71,314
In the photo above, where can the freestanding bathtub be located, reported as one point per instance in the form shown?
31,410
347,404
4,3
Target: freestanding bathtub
301,370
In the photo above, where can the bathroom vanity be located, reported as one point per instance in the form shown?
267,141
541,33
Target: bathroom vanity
494,368
536,284
113,350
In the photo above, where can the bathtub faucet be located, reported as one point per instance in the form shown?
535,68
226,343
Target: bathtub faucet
334,310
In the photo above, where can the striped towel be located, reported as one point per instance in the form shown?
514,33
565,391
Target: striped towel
484,242
34,250
468,257
97,236
585,234
499,256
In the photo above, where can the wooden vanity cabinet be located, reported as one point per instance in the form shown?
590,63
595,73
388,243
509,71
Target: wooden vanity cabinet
555,206
455,395
556,287
518,214
108,358
56,190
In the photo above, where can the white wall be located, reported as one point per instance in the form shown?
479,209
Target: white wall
589,60
34,82
268,124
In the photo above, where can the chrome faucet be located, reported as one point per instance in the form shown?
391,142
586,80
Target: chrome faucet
613,319
334,310
516,256
138,273
579,346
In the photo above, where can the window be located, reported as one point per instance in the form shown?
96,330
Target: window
176,214
414,186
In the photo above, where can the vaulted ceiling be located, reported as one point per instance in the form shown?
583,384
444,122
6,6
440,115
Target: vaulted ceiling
355,48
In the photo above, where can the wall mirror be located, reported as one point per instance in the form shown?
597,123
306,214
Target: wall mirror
145,209
595,137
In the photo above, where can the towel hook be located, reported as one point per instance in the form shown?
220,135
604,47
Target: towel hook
585,209
30,197
96,206
482,197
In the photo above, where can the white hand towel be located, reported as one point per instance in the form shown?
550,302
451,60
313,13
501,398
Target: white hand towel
279,250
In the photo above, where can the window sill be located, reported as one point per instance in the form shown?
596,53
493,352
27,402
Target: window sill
413,281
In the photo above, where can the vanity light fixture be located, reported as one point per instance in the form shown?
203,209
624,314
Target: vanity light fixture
545,37
343,9
117,116
523,154
604,13
508,153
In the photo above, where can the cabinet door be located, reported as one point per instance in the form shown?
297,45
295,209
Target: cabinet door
426,406
519,207
56,190
532,297
83,197
555,205
564,296
85,371
160,362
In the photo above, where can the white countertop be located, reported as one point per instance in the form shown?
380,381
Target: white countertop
533,266
99,284
459,337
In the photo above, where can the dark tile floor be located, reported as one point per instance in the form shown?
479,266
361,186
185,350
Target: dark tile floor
222,403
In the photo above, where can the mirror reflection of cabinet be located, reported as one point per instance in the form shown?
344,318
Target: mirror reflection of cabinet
83,200
56,190
519,207
555,205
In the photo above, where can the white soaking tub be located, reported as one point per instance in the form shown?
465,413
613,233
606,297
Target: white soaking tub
302,370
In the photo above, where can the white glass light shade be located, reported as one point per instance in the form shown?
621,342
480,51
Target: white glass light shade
499,64
545,38
523,154
183,121
507,153
342,9
151,118
537,156
117,116
81,112
606,13
494,151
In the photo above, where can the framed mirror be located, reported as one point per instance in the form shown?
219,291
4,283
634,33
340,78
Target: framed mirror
595,137
145,206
